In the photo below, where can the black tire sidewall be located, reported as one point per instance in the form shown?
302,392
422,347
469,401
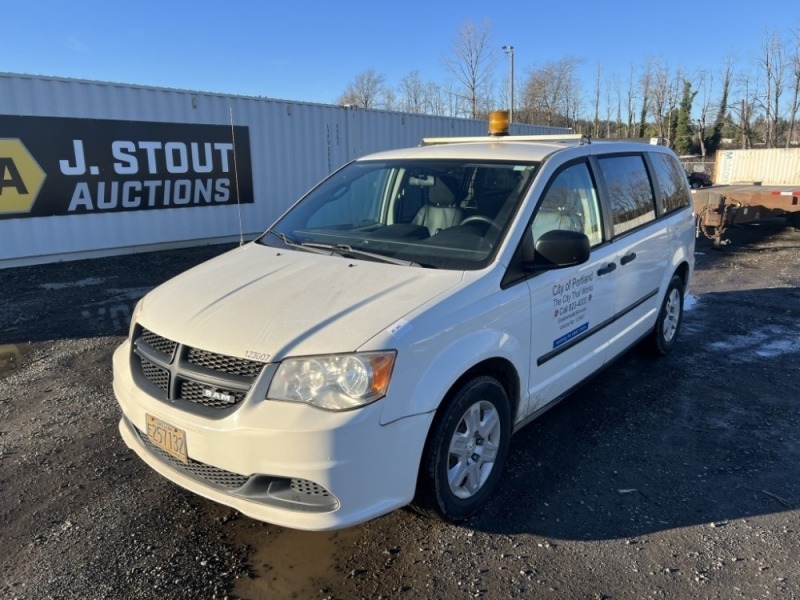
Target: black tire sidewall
662,345
448,505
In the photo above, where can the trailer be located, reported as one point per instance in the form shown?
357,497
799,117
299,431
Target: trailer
721,207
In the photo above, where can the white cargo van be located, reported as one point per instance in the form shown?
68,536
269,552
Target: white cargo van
380,343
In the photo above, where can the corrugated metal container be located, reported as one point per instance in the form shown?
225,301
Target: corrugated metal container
775,166
292,145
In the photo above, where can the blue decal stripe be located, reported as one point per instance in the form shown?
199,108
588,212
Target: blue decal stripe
560,346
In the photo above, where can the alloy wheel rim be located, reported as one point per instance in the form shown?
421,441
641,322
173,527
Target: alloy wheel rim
473,449
671,315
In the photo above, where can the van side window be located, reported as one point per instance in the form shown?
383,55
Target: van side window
628,185
671,180
570,203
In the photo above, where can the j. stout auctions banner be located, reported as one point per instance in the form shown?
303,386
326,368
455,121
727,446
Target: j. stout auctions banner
60,166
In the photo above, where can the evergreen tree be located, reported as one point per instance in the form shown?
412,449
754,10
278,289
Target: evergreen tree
683,131
713,141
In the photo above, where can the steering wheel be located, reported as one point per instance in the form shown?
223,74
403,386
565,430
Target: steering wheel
480,219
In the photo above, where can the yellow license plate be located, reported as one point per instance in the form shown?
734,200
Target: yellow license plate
170,439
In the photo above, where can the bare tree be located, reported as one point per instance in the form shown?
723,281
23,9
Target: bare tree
705,85
795,103
671,108
608,86
435,99
630,97
645,81
744,108
618,96
388,98
472,61
551,93
574,102
364,91
597,75
659,98
412,93
772,66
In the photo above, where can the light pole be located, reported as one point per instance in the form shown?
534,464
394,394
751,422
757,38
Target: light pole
510,51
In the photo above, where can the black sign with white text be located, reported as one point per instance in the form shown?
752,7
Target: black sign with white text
65,166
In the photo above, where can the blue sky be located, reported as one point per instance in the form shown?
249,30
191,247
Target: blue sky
310,50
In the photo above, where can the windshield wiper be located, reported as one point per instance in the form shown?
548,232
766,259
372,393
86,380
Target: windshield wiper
347,250
292,244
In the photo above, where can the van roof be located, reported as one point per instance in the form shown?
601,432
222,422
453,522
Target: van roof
505,149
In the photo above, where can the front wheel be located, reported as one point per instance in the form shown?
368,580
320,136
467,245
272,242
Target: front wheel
464,456
663,337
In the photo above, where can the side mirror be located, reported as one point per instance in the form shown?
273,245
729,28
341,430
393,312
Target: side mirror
559,248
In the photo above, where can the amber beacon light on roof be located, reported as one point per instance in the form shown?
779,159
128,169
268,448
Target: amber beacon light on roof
498,123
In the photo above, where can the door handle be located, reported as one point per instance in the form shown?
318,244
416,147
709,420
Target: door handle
607,269
627,258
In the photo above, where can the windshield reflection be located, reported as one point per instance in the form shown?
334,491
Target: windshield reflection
439,214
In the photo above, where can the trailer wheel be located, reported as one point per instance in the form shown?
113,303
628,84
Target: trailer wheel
794,219
665,332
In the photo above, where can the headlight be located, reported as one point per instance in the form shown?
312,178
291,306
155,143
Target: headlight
335,382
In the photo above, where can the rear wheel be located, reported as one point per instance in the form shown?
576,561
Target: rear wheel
464,456
663,337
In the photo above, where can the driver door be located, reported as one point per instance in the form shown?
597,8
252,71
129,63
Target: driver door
573,306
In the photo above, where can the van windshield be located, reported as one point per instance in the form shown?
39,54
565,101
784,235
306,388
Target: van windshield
444,214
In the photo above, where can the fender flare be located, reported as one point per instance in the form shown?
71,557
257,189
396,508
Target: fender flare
452,361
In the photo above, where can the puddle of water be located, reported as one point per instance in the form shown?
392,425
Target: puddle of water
293,564
11,356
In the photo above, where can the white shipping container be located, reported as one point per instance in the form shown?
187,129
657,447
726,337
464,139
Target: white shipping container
774,166
292,145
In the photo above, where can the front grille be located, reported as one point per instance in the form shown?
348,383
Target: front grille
158,343
208,396
219,478
223,363
199,378
156,375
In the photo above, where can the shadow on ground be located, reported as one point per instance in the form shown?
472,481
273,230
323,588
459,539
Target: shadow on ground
704,436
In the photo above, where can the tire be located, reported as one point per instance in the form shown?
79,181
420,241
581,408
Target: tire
670,317
695,185
465,452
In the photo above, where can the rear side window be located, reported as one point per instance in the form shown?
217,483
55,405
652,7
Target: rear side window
628,185
671,181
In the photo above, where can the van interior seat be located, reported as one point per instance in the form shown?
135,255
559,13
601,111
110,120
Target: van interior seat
441,211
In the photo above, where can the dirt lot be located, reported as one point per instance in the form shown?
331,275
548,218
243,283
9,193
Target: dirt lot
670,478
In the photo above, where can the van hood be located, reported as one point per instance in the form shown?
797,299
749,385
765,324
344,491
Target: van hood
273,303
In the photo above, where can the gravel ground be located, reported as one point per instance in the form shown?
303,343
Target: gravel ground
666,478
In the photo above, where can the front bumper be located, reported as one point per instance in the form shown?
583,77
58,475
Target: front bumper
276,461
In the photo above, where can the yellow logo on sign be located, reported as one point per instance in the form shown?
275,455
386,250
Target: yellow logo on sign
21,177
